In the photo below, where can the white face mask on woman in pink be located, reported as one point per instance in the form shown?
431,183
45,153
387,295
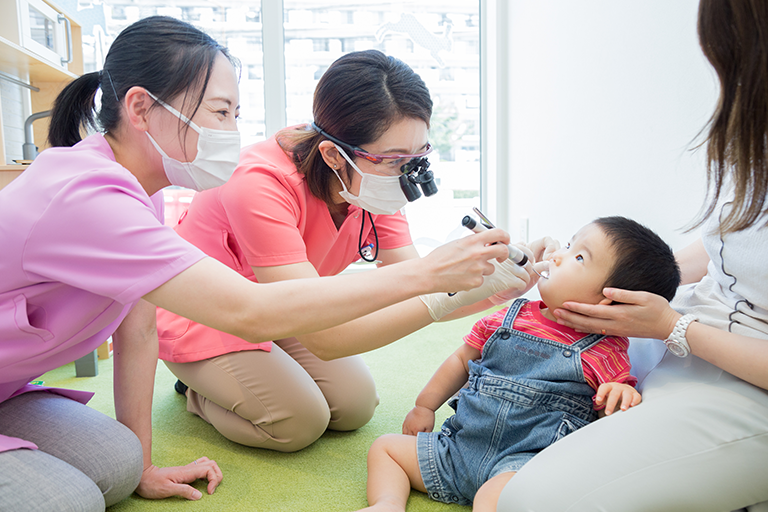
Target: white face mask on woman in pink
218,153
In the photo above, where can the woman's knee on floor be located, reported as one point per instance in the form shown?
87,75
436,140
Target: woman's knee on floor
295,422
31,480
105,451
354,406
121,466
302,427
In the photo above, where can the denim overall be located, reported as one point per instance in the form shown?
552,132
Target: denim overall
524,394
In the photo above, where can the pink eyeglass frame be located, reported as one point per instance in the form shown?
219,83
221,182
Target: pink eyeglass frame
371,157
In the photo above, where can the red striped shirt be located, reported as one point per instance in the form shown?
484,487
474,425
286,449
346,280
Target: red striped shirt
606,361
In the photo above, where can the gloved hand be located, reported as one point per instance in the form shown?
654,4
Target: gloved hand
505,296
508,277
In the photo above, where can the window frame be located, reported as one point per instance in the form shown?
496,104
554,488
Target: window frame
494,77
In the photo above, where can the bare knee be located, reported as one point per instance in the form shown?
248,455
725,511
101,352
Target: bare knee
382,444
487,496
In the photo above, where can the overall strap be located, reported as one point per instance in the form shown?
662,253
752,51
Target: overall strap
509,317
587,342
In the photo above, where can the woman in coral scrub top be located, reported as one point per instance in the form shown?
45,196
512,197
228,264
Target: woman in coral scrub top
302,204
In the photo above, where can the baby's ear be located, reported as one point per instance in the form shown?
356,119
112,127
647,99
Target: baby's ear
605,302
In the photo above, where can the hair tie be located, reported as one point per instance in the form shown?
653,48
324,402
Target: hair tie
114,90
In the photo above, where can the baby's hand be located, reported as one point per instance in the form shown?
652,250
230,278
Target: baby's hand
611,394
420,419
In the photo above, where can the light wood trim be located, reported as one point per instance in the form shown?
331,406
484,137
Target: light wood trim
8,173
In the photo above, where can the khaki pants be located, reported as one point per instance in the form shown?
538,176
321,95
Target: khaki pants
280,400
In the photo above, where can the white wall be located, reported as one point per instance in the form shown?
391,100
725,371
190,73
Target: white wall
12,99
605,100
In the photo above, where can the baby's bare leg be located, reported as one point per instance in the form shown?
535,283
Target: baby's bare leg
393,469
488,494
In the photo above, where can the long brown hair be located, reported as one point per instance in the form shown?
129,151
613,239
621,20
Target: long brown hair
356,100
734,37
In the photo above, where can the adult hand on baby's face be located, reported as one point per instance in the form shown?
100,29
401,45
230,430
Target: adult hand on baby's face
543,248
638,315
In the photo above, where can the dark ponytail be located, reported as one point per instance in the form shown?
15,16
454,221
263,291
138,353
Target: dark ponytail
166,56
73,110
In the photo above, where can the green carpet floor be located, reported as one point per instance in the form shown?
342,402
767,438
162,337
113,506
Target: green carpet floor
327,476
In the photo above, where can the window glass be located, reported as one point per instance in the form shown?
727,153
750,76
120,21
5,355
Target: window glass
440,41
233,23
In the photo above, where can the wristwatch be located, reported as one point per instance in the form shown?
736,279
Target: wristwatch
676,342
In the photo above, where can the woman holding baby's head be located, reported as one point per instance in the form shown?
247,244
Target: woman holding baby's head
699,440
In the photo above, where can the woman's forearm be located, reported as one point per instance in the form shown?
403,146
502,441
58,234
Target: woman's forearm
471,309
214,295
378,329
135,361
742,356
369,332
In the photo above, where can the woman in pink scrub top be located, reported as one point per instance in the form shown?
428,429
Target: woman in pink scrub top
304,204
86,256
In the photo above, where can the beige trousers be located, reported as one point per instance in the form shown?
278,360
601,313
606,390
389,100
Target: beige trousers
280,400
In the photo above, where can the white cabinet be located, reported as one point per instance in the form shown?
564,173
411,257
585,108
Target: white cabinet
37,28
45,31
36,40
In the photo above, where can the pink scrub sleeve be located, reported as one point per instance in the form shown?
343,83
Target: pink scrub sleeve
105,238
86,242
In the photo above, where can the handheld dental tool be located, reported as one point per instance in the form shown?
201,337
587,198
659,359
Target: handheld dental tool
515,254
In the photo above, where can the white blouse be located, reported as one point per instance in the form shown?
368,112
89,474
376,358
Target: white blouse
733,296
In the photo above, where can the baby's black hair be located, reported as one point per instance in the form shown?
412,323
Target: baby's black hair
644,262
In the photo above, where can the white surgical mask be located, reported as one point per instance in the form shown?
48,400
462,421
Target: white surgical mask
380,195
218,152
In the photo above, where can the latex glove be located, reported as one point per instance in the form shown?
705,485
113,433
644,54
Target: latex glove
507,276
543,248
514,292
